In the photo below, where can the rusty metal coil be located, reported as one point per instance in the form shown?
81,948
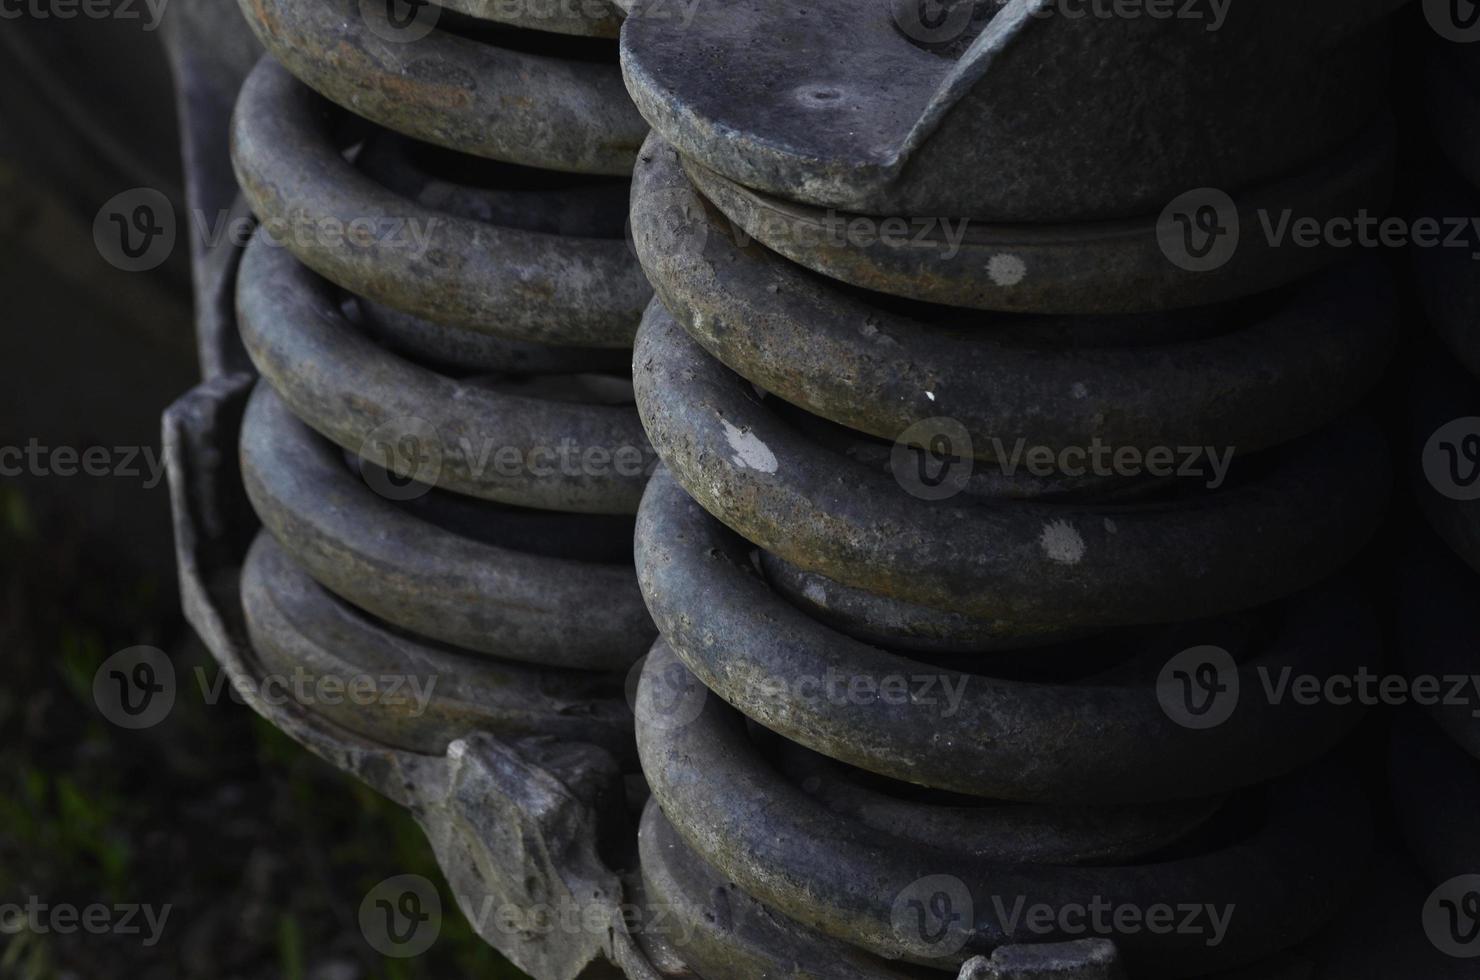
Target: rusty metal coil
366,399
1285,874
518,284
437,580
1291,525
1081,268
782,544
487,97
1109,740
1250,376
424,694
855,109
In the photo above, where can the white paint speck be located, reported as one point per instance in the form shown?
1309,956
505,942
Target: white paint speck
1006,269
750,452
456,749
815,592
1061,542
930,395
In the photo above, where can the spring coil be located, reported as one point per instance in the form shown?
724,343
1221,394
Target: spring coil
836,520
418,379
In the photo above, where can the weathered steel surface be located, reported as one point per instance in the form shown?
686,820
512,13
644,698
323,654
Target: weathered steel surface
1034,567
464,94
1276,370
1096,743
523,285
512,821
1081,268
1043,118
440,582
475,438
416,695
1285,876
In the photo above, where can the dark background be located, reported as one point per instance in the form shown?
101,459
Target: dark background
262,852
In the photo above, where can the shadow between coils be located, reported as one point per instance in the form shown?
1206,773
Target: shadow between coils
407,692
1448,275
496,193
1283,878
1045,116
464,94
414,574
582,18
368,400
1098,267
518,284
1275,370
1034,567
501,194
1451,79
1440,621
722,933
1436,790
1443,458
1000,832
982,735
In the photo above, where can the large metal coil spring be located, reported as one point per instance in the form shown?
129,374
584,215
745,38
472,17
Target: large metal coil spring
1435,753
904,687
443,448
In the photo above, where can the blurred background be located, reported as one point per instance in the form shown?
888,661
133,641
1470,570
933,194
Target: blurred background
241,855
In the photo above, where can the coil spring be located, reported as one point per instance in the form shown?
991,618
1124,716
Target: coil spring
806,821
441,368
